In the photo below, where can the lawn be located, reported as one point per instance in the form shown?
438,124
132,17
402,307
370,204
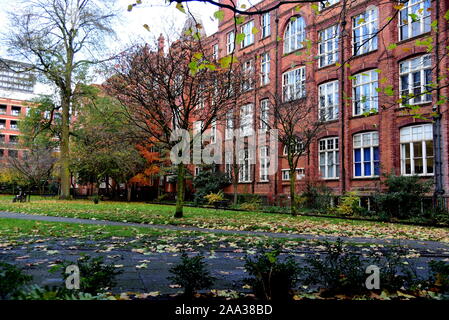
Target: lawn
222,219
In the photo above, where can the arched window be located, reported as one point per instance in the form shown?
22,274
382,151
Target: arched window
295,34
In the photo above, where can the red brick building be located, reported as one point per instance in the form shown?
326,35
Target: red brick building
367,132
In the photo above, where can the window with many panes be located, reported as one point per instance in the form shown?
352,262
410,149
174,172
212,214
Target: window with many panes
364,28
328,46
300,173
265,24
417,150
264,68
229,125
329,158
247,30
415,80
230,42
264,163
414,18
215,51
264,114
228,163
213,131
245,160
366,154
246,120
294,84
365,97
328,101
295,34
248,75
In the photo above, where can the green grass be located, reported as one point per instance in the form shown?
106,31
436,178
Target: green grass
221,219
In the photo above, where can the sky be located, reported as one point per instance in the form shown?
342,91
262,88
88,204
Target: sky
160,18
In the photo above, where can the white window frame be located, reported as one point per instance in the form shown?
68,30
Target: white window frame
229,130
366,25
410,67
264,163
247,30
327,4
245,161
294,84
367,83
230,42
228,163
215,51
295,34
300,174
405,19
328,46
213,132
327,111
248,74
415,134
265,68
265,23
329,152
363,141
246,120
264,114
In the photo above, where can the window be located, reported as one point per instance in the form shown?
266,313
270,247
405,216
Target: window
246,120
414,19
264,162
215,51
2,109
295,34
13,153
366,154
13,125
264,114
197,171
230,42
364,30
328,101
229,125
300,173
417,150
247,30
2,153
213,132
228,163
265,69
329,158
248,73
245,160
416,78
328,46
13,139
2,124
197,130
328,3
265,25
365,97
2,138
297,148
294,84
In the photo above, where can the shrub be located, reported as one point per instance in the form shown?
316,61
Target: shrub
340,271
349,205
95,276
317,196
253,203
191,274
11,280
36,292
272,279
439,278
207,182
214,197
403,196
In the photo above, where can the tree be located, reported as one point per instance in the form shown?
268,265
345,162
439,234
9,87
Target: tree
298,126
162,94
59,38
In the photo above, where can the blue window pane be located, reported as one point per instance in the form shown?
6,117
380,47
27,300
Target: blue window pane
366,154
376,168
367,167
358,169
376,153
357,155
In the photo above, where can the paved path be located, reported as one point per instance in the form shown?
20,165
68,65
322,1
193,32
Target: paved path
420,245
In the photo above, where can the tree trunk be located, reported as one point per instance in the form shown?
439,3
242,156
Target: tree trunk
235,181
180,188
128,192
294,210
64,154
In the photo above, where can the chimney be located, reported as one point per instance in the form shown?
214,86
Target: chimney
160,44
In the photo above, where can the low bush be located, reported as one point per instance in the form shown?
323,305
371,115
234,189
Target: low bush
191,274
208,181
317,196
272,279
214,197
439,276
349,205
95,276
253,204
12,279
36,292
